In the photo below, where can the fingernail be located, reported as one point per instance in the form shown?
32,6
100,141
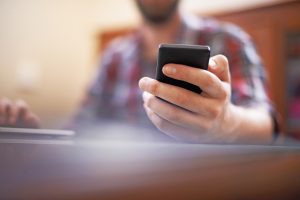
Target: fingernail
169,69
212,63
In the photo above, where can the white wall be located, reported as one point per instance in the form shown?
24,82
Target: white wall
47,47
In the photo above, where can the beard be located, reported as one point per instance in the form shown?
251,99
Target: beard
157,14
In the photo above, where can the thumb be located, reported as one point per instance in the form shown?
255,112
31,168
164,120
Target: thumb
219,66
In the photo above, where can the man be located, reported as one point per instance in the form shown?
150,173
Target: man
232,107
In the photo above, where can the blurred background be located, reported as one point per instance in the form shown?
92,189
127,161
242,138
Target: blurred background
49,49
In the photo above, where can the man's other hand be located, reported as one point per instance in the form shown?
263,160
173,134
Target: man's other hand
17,114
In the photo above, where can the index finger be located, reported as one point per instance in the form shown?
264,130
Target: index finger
207,81
22,109
5,105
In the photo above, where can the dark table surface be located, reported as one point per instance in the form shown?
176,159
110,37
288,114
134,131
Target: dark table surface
111,169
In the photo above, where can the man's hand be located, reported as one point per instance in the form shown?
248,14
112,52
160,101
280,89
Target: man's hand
206,117
192,117
17,114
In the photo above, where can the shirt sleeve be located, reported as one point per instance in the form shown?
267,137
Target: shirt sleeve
249,79
246,69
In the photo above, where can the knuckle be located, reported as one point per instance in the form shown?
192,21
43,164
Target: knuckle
154,87
22,104
1,106
160,124
223,94
6,102
181,99
222,60
206,126
151,101
214,111
173,116
150,113
209,81
184,73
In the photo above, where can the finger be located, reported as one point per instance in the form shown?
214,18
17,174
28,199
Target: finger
174,131
219,66
182,133
25,117
176,95
1,112
13,114
207,81
172,113
21,110
4,111
31,121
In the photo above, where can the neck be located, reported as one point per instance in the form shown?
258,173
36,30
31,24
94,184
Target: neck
153,35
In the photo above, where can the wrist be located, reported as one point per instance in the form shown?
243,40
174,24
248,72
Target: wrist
247,124
232,120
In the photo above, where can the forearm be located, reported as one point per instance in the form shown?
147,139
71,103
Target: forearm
250,125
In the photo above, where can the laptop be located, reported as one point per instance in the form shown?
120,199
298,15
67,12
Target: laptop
22,135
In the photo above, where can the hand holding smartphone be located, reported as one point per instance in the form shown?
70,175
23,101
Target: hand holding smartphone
191,55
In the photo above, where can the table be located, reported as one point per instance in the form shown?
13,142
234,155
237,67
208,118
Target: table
110,169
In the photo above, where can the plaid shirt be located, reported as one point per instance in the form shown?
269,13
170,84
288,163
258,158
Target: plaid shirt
114,93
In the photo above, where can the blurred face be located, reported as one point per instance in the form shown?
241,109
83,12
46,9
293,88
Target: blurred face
157,11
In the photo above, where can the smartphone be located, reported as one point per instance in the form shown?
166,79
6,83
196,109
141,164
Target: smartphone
191,55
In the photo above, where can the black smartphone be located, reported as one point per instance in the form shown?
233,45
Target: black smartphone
190,55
